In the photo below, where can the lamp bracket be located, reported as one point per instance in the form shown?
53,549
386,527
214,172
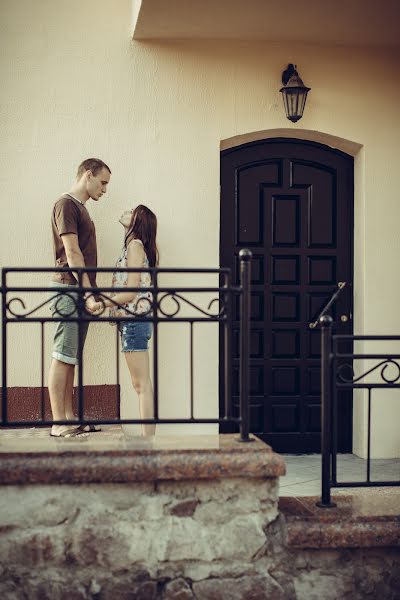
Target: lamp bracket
286,75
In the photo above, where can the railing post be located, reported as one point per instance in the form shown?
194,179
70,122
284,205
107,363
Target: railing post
4,405
245,278
80,312
227,330
326,402
155,311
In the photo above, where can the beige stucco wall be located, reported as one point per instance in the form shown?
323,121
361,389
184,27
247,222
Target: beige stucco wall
74,85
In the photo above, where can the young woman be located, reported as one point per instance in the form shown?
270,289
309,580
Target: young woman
139,251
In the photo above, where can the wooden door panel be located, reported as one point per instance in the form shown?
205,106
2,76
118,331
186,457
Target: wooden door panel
313,379
285,381
285,306
250,203
313,344
321,270
285,270
285,343
285,217
291,203
256,343
314,417
284,416
321,204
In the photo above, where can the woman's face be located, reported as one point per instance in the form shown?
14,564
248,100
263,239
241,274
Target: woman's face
125,218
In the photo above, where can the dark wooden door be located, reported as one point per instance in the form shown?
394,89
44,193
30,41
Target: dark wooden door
291,203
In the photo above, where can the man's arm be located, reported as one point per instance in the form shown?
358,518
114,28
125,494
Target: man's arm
75,259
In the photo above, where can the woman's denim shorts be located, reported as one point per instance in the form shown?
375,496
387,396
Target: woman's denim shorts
135,335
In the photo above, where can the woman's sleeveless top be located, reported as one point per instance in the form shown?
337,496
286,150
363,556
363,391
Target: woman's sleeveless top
142,303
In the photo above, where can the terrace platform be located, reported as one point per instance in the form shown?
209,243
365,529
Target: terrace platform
364,517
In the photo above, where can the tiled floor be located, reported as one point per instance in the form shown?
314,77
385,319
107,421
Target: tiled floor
303,473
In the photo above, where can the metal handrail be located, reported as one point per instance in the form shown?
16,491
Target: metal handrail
224,296
341,286
331,381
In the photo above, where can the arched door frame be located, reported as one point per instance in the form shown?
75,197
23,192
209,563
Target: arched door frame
356,150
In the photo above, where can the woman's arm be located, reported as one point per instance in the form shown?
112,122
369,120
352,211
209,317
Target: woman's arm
134,260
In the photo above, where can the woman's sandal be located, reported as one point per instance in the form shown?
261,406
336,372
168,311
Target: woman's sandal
68,433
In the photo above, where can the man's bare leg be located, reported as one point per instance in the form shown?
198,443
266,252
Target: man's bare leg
59,378
69,390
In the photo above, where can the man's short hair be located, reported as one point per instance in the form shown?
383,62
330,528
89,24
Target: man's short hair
91,164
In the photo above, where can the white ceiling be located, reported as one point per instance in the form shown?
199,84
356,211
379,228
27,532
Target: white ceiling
344,22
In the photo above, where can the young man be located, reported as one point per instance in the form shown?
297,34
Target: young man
74,240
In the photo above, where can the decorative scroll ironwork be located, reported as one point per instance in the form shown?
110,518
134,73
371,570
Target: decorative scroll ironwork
72,296
179,300
383,366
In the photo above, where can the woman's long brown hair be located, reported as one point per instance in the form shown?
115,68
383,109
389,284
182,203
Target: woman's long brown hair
143,227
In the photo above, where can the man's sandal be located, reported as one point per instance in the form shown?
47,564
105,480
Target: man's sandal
89,428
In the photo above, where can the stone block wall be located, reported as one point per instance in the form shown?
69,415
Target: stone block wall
165,539
79,522
203,540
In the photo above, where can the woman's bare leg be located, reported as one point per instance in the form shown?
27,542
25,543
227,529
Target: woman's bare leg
138,365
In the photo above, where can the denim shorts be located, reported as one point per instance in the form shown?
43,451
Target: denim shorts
66,335
135,335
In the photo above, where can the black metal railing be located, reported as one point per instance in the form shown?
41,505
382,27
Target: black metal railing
168,305
340,287
339,372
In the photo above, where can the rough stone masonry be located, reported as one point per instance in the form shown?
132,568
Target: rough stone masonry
165,525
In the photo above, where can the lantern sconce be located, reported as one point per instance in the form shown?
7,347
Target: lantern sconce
294,93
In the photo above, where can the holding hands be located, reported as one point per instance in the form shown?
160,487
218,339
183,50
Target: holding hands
96,307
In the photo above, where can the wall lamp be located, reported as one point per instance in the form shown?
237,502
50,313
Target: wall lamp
294,93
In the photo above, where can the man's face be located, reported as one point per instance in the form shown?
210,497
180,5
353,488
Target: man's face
97,184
